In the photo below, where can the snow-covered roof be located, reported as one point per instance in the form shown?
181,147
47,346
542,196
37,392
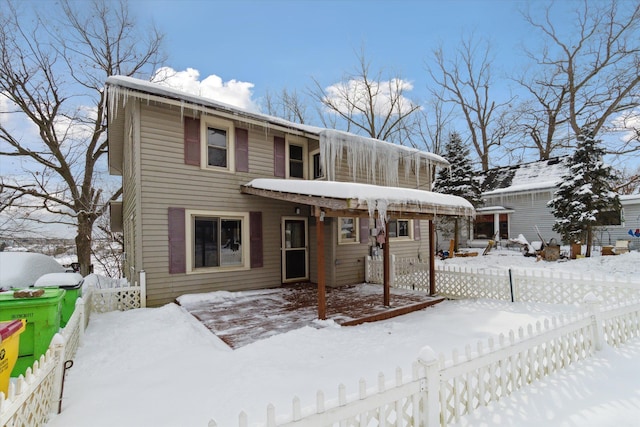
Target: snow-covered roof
630,199
370,197
123,87
527,177
493,209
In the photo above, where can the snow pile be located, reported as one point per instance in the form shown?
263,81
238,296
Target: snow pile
22,269
161,367
619,266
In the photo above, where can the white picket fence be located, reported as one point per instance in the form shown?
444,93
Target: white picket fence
541,286
34,396
439,391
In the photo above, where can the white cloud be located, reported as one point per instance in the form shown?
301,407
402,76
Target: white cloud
354,91
232,92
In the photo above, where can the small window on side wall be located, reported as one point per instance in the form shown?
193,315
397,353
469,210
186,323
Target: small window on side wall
316,167
400,229
348,231
296,160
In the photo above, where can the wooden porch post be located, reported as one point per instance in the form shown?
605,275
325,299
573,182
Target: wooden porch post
385,263
432,259
322,302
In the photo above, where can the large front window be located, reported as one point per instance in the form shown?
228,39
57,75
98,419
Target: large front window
218,240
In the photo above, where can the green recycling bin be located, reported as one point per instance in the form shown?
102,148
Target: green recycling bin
71,283
42,314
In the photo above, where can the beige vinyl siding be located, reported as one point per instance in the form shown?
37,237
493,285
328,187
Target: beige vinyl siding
168,182
165,182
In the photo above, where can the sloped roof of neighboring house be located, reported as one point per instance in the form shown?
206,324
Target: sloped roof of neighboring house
535,176
630,199
372,155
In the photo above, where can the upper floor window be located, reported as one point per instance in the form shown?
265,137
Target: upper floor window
296,157
218,149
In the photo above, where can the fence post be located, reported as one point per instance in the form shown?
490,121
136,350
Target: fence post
80,309
392,271
592,304
58,348
367,266
429,360
143,288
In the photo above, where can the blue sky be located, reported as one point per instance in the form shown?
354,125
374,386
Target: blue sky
284,44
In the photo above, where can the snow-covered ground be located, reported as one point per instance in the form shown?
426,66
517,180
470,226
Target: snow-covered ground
161,367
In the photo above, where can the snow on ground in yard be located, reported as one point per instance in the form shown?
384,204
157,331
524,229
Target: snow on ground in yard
161,367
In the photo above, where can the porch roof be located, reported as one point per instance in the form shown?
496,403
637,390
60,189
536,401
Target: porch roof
359,200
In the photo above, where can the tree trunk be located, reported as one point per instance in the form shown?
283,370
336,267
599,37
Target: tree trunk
83,244
589,241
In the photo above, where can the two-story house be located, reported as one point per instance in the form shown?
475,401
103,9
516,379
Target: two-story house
219,198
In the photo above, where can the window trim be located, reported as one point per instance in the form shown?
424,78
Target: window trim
300,142
312,176
409,228
217,123
356,226
190,216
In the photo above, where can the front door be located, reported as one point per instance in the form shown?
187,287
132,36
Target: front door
295,252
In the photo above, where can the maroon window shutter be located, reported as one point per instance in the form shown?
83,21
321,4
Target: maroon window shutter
242,150
255,238
177,249
191,141
416,229
364,230
278,157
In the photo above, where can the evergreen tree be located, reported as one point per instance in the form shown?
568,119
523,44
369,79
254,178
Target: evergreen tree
458,179
584,192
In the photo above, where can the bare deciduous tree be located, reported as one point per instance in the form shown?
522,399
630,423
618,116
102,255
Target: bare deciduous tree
592,68
287,104
541,116
53,64
368,104
465,80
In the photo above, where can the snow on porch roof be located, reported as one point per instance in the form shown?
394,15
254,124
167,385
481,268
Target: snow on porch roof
364,197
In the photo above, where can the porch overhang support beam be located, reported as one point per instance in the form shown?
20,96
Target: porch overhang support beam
322,300
386,254
432,259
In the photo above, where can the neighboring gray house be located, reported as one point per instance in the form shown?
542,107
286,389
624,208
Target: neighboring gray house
515,202
220,198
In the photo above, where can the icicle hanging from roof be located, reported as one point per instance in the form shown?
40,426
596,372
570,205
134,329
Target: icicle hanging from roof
378,161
